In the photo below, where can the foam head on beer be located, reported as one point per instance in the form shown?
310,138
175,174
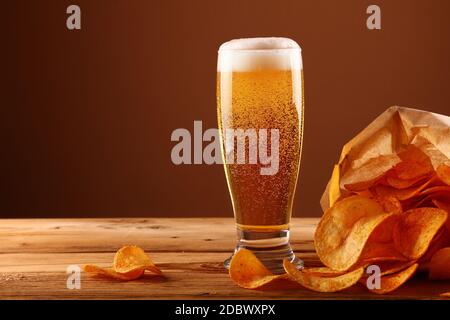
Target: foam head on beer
251,54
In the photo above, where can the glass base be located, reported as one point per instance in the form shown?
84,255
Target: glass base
271,247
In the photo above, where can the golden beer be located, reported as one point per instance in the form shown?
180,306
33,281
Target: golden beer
262,100
260,87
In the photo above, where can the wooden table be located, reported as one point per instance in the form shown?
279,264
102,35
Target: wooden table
35,254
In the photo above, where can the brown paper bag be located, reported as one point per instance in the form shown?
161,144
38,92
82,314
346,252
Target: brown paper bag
374,150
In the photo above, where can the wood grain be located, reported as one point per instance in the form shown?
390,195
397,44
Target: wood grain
107,235
34,255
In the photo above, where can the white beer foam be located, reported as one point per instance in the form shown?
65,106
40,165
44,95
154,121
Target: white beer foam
259,44
252,54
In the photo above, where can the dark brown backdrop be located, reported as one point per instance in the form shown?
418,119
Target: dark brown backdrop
87,115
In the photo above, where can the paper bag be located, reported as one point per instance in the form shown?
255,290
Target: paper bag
375,149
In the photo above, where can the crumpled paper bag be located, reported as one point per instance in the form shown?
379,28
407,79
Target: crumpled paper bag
374,150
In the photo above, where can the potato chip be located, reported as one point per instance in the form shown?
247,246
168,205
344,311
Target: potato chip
398,183
323,284
426,201
384,231
248,272
365,193
440,240
427,196
130,263
380,251
415,163
440,264
444,206
410,170
402,194
129,258
322,272
440,190
109,272
445,294
390,204
415,231
386,268
390,267
443,173
344,229
393,281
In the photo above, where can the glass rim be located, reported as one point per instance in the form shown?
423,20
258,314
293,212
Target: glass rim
272,50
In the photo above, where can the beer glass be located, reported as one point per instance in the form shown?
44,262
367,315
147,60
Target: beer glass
260,115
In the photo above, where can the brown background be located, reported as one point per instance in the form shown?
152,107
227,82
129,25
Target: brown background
86,116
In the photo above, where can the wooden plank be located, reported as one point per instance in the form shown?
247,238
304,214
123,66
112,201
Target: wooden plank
35,254
155,234
172,261
187,276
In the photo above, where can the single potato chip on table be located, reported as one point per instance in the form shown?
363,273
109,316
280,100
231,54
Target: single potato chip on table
131,258
111,273
130,263
248,272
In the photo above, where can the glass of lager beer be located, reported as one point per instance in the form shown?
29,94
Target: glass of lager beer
260,115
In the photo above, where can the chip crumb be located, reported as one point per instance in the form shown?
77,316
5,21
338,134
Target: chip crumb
6,277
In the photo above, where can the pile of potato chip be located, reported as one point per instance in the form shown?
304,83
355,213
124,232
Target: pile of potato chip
248,272
398,222
130,263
